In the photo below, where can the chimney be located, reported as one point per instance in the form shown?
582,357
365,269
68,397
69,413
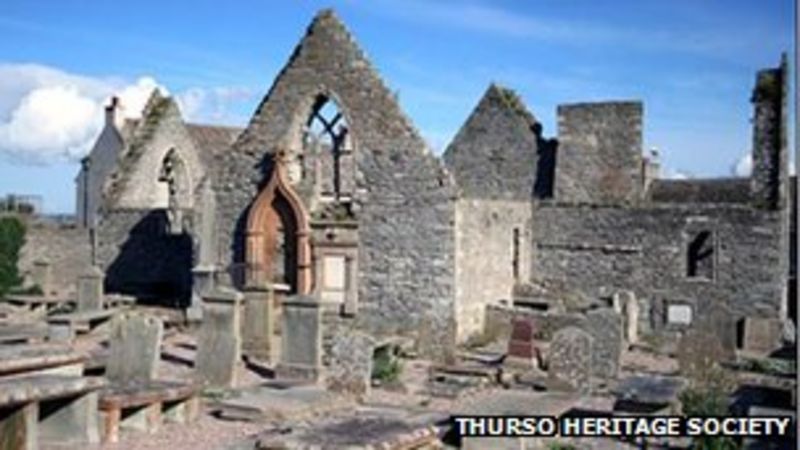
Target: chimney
114,115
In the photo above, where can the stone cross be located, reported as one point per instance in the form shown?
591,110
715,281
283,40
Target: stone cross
90,290
570,358
219,343
135,348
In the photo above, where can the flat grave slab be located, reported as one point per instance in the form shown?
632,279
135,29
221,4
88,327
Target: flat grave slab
28,358
278,403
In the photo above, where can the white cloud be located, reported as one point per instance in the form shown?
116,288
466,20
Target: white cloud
675,174
48,115
743,166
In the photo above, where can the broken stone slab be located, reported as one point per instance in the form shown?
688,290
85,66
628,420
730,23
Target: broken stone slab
219,344
570,359
282,403
362,430
135,348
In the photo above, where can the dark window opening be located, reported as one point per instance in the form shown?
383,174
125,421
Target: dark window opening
327,131
701,256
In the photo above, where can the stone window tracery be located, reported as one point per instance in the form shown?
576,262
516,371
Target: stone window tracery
327,135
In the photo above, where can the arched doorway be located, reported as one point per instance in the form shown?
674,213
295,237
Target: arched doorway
277,239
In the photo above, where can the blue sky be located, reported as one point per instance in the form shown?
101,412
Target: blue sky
692,63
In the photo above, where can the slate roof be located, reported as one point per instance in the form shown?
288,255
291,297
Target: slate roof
712,190
210,140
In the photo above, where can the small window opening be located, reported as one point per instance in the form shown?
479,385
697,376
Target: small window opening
701,256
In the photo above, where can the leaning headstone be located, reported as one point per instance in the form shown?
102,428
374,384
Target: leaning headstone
90,290
521,350
258,326
762,335
349,368
135,348
219,344
42,275
719,320
605,326
570,359
301,339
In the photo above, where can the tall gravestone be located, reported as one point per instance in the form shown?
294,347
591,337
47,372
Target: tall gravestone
719,320
570,359
625,303
349,368
258,326
219,343
301,339
605,326
135,348
42,275
90,289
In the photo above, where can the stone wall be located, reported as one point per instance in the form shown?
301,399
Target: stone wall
599,158
66,247
499,152
602,249
403,200
485,259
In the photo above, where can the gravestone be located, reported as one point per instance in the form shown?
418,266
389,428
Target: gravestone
219,343
762,335
719,320
258,326
628,306
605,326
349,363
135,348
521,350
90,290
301,339
42,275
570,359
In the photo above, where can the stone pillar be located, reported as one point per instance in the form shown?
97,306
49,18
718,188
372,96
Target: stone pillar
301,339
202,283
219,343
258,326
42,275
90,290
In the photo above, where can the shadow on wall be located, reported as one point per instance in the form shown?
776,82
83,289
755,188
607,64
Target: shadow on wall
153,265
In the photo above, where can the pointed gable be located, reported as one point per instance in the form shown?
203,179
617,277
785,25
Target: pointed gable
402,193
496,153
135,182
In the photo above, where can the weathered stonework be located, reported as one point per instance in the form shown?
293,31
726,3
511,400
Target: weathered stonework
403,194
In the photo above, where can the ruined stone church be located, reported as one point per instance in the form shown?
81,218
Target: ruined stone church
330,191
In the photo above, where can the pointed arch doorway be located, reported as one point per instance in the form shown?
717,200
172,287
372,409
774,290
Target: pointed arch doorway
277,248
